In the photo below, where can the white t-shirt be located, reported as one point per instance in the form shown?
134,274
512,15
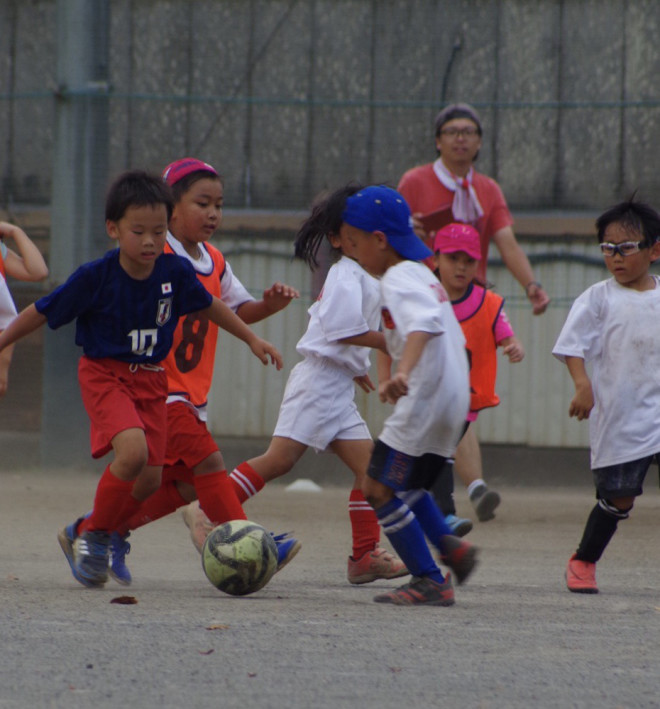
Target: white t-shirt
348,305
431,417
617,331
7,307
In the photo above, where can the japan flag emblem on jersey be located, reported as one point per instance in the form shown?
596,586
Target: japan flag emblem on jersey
164,311
166,288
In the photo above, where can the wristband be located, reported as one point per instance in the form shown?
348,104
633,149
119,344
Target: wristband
532,283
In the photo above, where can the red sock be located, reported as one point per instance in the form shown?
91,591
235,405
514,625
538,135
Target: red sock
163,502
217,497
247,481
130,508
364,524
111,496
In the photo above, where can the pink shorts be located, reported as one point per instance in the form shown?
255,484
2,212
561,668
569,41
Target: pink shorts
118,396
188,440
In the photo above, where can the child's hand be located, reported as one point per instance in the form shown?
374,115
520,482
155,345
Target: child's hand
582,402
393,389
278,296
382,389
514,350
265,351
365,383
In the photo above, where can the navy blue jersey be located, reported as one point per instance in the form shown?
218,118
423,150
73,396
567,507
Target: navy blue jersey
123,318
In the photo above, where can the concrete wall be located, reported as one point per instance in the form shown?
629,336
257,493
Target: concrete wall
288,97
535,394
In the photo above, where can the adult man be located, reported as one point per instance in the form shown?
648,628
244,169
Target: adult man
451,190
452,181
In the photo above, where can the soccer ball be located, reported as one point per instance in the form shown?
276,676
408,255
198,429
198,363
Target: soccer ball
239,557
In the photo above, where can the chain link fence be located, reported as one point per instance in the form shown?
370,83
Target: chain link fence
288,97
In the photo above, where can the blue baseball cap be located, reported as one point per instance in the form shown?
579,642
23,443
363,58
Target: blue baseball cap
380,208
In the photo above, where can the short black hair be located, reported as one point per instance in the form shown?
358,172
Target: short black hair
180,187
635,217
136,188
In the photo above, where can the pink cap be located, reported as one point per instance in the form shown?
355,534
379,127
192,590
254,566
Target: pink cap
178,169
458,237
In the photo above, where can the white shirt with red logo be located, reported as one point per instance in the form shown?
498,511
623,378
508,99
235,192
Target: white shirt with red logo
431,417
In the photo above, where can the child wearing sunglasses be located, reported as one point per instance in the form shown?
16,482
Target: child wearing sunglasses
614,326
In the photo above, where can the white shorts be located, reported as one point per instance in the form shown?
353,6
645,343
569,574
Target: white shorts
319,406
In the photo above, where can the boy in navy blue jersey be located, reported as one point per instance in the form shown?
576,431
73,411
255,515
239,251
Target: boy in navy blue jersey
126,306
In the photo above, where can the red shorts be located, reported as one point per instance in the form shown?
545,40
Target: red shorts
118,396
188,440
174,473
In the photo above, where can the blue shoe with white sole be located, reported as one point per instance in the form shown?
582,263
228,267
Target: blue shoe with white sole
287,548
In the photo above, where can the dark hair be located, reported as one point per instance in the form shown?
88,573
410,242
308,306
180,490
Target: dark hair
324,220
453,111
136,188
636,217
185,183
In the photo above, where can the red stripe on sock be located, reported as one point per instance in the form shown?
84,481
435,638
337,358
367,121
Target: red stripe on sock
364,524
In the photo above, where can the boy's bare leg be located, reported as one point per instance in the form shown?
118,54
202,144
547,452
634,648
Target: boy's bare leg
468,467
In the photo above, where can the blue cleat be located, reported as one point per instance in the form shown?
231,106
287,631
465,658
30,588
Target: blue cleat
287,548
119,547
458,525
91,552
67,537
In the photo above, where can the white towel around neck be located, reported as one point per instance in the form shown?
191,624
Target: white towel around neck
465,207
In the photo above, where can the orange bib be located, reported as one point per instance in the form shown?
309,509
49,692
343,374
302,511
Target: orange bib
189,365
479,331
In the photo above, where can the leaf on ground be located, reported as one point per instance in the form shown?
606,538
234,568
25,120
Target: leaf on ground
206,652
125,600
217,626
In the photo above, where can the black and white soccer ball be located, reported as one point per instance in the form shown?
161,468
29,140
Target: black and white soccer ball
239,557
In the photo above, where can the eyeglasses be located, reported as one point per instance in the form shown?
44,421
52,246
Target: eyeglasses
468,132
625,248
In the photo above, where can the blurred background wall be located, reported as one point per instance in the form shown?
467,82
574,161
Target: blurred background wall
287,98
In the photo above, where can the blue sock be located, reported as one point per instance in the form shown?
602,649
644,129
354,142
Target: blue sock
428,513
406,536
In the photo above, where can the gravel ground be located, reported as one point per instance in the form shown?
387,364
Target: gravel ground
515,638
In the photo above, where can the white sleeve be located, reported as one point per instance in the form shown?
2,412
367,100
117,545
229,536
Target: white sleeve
233,293
340,310
414,307
580,335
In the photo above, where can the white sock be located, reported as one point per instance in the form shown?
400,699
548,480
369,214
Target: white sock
474,485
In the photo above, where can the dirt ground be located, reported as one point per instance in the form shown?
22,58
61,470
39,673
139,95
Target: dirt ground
515,638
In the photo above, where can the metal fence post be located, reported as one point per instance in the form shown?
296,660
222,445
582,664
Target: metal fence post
80,168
